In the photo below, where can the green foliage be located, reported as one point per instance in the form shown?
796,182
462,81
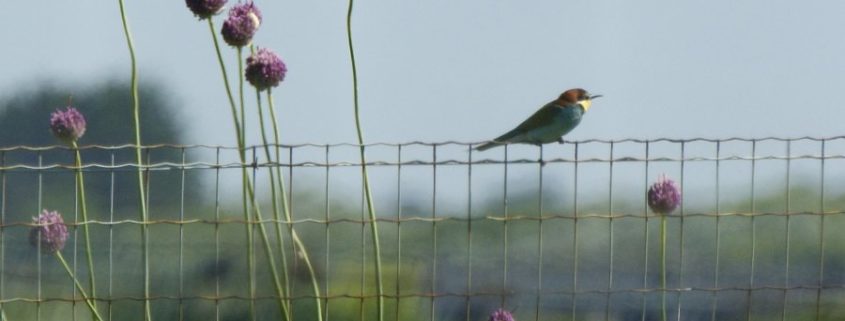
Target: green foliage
25,119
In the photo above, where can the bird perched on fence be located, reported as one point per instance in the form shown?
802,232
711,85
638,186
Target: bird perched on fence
549,123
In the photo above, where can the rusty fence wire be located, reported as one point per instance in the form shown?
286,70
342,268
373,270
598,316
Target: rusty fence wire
559,232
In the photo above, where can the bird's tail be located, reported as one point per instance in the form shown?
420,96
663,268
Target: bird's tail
487,146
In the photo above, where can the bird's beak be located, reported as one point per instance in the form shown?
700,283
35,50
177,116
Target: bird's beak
595,96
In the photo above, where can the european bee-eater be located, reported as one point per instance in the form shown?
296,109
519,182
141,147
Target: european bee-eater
549,123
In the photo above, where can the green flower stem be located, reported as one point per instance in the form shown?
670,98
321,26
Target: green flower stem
267,250
88,300
251,193
663,266
299,245
80,185
242,151
226,85
139,159
276,213
241,94
369,194
244,180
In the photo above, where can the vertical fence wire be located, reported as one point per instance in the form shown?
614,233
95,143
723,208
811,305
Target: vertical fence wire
788,225
40,270
76,219
291,206
505,222
363,217
753,260
468,295
539,234
147,189
433,230
715,295
398,232
609,293
443,296
327,216
217,234
575,231
821,231
182,235
111,238
645,237
681,231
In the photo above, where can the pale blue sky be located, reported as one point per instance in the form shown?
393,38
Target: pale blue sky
438,70
469,70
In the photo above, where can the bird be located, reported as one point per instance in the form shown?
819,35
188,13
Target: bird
550,123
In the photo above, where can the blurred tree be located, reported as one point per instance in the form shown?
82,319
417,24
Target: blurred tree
25,119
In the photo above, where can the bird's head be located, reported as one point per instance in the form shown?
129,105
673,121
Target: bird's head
578,96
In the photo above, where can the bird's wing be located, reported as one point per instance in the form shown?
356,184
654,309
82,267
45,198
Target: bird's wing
543,117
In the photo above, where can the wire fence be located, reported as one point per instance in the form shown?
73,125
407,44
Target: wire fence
559,232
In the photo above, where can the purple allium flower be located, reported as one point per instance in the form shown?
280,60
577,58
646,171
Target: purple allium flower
205,8
265,69
51,232
501,315
67,125
664,196
242,23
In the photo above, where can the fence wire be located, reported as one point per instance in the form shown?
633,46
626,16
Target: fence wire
559,232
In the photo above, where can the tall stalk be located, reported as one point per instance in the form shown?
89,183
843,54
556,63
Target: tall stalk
367,191
249,195
242,151
140,162
80,185
298,244
276,212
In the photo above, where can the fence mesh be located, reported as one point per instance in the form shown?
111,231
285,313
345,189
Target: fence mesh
559,232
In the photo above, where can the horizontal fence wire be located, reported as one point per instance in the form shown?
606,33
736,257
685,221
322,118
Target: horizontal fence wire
561,231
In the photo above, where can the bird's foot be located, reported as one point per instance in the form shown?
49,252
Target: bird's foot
542,162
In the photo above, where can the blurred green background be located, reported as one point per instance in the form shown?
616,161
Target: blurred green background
461,265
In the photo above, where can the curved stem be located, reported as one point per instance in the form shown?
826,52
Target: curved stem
368,192
299,245
80,185
88,300
663,267
250,193
139,160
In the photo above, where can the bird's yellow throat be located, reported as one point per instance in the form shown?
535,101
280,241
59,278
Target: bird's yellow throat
586,103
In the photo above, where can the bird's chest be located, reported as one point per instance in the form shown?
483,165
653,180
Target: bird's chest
566,120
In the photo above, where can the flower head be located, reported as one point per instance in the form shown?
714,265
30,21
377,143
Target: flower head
205,8
501,315
242,23
51,232
67,125
264,69
664,196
